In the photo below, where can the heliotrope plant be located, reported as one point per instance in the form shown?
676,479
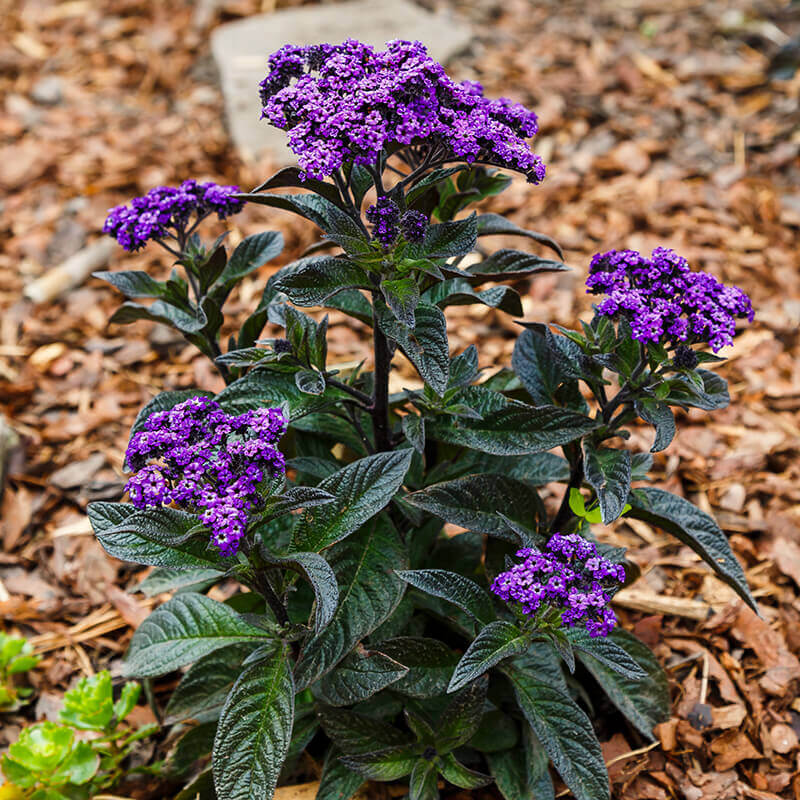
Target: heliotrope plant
364,636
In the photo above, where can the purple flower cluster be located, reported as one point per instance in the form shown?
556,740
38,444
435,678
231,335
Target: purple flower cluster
664,300
384,215
345,103
164,212
208,461
413,225
569,575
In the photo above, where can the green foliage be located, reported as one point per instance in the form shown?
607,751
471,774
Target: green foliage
51,761
16,658
364,627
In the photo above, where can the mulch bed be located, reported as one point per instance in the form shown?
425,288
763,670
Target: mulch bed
661,123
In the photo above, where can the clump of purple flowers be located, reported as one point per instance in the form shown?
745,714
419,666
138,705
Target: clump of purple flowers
166,211
384,215
570,576
413,225
345,103
197,456
664,300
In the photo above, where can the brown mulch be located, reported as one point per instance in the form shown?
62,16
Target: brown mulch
661,123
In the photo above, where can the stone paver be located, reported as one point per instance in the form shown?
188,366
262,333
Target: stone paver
241,48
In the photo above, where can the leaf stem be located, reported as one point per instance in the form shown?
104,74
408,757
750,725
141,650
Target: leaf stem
574,455
380,395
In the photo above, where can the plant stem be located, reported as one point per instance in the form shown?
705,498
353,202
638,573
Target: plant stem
380,395
364,399
574,455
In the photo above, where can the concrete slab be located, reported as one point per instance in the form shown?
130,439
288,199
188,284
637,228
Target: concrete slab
241,48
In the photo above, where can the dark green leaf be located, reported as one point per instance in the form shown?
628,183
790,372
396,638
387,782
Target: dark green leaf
163,312
356,733
133,283
425,346
429,661
644,700
309,381
447,239
316,570
509,427
414,431
498,640
504,265
203,689
170,579
337,782
456,773
184,629
401,296
322,212
255,729
564,730
461,718
382,765
490,224
660,416
290,176
458,292
474,502
369,591
362,489
422,785
250,254
608,472
457,589
497,732
311,281
359,676
161,537
694,528
606,650
533,362
521,773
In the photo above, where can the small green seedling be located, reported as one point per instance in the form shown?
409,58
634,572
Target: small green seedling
16,658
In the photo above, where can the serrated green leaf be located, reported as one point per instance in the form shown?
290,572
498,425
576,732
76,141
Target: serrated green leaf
694,528
474,502
359,676
362,489
497,641
161,537
255,730
643,700
184,629
368,590
608,472
455,588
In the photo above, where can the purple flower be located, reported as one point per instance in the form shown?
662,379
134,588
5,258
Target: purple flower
345,103
210,462
413,225
569,576
664,300
383,216
165,212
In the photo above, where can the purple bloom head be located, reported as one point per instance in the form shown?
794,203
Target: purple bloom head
664,300
210,462
384,215
413,225
165,212
347,102
568,575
